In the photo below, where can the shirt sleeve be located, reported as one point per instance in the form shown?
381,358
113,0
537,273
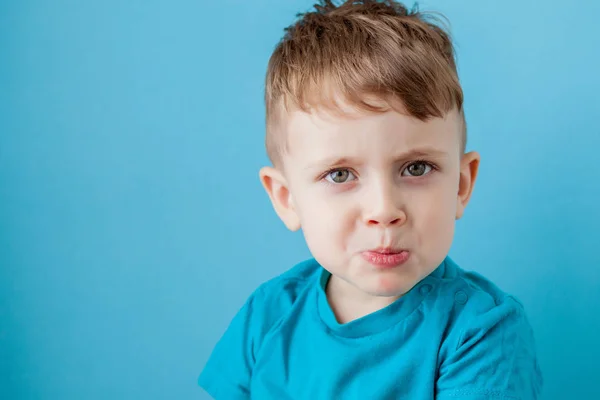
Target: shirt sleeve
495,358
227,373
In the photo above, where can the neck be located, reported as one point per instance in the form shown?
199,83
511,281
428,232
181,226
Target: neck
348,303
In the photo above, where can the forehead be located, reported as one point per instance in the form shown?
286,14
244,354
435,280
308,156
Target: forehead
319,133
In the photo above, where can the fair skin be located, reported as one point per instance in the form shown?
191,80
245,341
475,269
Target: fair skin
359,183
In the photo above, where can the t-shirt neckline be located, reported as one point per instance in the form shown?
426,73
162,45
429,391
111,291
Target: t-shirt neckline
383,319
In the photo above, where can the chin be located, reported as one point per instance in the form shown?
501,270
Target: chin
400,286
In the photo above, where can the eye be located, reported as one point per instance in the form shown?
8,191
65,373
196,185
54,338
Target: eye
418,168
339,176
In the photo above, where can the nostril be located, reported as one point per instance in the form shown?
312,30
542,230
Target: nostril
396,221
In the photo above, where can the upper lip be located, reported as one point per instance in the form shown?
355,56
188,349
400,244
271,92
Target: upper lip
386,250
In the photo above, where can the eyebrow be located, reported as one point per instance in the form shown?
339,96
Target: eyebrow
413,153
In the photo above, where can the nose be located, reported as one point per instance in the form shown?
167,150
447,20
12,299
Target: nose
383,208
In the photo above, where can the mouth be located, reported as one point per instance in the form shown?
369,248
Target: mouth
386,257
387,250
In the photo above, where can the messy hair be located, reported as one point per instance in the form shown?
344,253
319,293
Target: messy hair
357,52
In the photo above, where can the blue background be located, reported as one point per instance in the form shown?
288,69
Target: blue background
133,224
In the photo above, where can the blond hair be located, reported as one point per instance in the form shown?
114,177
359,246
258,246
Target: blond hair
357,51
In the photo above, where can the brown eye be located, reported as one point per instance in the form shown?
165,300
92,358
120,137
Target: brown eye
339,176
418,168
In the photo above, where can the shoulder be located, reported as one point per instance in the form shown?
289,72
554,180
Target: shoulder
478,305
273,300
228,370
468,295
490,342
282,291
271,303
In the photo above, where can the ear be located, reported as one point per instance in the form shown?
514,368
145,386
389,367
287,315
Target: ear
469,166
276,187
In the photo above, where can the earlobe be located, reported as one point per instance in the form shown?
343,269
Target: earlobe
276,187
469,167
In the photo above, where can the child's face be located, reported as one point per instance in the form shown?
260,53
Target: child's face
373,184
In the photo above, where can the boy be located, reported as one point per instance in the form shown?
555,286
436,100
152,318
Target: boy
366,133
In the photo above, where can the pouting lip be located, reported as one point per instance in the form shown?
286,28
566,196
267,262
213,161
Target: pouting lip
387,250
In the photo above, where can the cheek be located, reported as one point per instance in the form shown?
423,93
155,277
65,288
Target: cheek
434,217
326,222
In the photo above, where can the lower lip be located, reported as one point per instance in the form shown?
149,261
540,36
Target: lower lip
386,260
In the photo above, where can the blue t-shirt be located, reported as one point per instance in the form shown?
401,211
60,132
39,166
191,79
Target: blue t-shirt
454,335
